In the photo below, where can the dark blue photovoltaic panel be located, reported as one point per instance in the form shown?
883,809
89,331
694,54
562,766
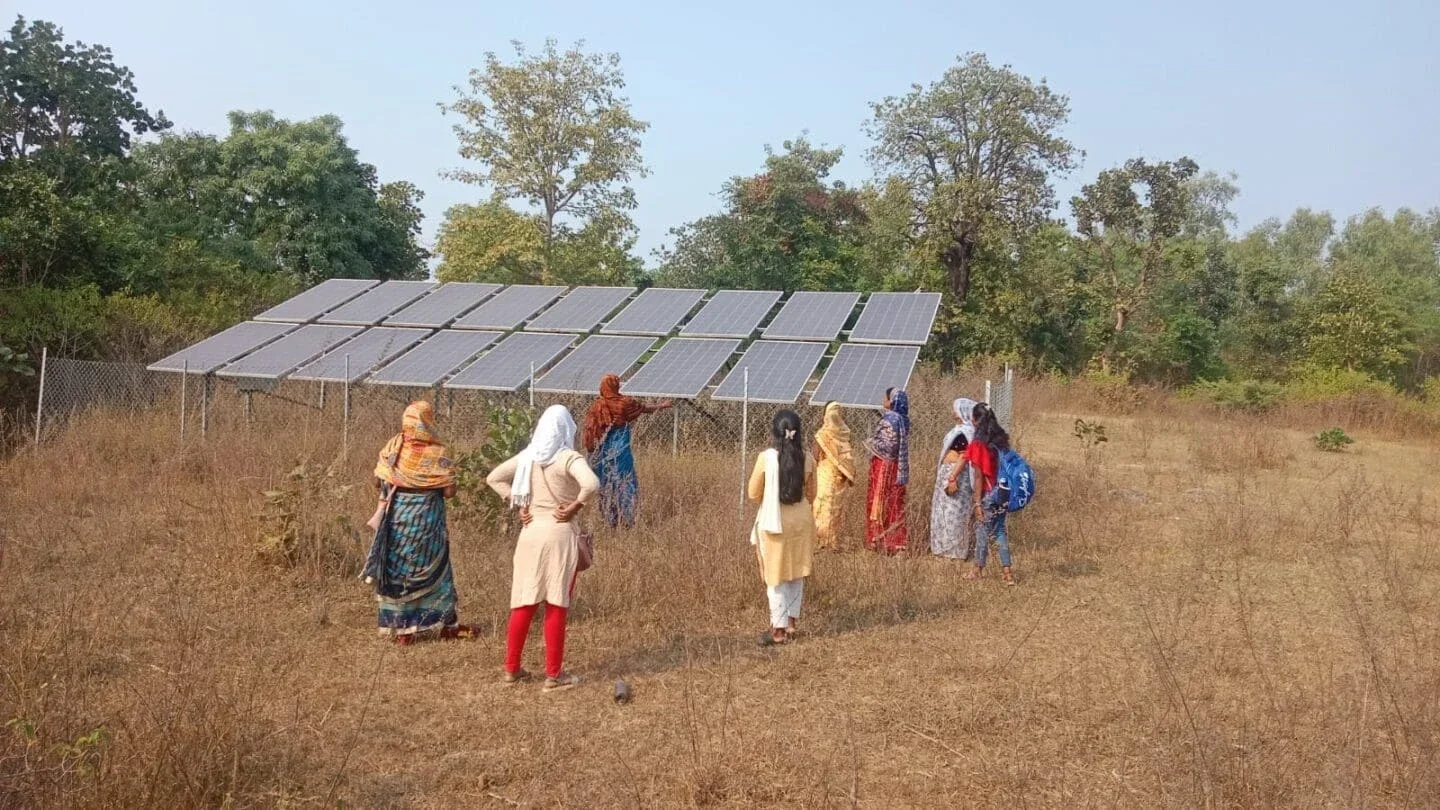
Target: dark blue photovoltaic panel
778,370
372,307
361,354
580,310
217,350
316,301
812,316
508,366
860,373
897,318
443,305
436,358
581,370
655,312
509,307
682,368
275,360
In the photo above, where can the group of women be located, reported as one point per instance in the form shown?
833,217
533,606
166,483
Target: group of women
801,497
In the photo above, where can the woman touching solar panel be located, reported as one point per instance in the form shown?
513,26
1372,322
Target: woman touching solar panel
607,444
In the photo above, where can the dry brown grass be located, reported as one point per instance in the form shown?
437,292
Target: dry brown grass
1252,627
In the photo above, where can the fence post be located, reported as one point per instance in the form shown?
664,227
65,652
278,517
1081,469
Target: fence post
675,432
40,403
184,384
322,396
205,407
249,404
532,385
744,438
345,419
988,400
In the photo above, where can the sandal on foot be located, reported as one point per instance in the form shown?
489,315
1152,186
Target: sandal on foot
512,678
460,631
404,640
562,681
767,639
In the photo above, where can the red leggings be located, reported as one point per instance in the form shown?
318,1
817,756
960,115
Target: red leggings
520,619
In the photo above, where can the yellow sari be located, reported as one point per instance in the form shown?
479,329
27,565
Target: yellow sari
834,474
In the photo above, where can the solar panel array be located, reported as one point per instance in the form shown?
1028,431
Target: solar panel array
372,306
812,316
316,301
510,307
443,305
386,331
274,360
778,370
436,358
581,310
731,313
508,366
655,312
897,318
215,351
581,370
860,373
355,358
682,368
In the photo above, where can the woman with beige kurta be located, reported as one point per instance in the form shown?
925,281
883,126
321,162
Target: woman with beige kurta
834,475
549,483
783,482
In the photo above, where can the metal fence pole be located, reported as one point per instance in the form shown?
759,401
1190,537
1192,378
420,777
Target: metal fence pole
532,385
345,419
249,405
675,432
322,396
205,406
988,400
40,402
744,438
184,383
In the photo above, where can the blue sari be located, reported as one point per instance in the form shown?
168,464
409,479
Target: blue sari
614,464
409,564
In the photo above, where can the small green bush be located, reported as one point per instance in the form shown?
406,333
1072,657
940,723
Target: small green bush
1250,396
1333,440
1314,384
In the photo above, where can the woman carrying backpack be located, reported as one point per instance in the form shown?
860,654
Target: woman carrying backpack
983,455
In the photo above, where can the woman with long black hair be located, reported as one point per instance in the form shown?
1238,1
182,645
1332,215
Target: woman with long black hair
783,483
983,455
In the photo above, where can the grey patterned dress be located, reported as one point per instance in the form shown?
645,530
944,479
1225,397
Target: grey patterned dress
950,534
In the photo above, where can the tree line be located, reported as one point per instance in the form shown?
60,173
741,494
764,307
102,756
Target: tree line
122,238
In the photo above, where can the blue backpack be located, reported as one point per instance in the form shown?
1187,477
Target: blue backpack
1015,482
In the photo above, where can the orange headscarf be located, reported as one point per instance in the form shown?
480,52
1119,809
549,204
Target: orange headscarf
611,410
415,457
834,439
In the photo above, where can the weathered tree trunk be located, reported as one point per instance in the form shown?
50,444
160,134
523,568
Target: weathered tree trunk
957,259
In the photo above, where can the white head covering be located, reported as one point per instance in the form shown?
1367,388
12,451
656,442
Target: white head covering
768,520
964,412
553,433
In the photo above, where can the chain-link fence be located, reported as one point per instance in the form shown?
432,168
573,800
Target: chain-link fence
709,429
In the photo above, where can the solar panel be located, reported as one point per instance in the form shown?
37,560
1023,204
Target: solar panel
581,309
434,359
778,372
443,305
812,316
507,366
682,368
897,318
372,307
365,351
275,360
859,374
219,349
731,313
581,370
316,301
509,307
655,312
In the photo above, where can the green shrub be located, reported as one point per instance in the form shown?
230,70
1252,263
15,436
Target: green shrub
1333,440
1250,396
1315,384
507,431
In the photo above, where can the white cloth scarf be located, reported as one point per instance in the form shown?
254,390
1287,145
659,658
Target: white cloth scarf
553,433
964,411
769,518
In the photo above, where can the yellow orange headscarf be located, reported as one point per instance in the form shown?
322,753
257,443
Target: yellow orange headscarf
834,438
415,457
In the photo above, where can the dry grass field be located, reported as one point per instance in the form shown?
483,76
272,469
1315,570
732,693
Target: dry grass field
1211,612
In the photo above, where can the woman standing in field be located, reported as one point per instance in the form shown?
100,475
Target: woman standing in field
549,483
885,528
607,446
983,458
834,475
783,482
409,559
950,505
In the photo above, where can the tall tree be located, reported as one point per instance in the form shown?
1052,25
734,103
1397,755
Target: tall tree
1127,236
553,131
977,150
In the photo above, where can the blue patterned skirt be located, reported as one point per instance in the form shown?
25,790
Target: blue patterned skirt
614,464
409,564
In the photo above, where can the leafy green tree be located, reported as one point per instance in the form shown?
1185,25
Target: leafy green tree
976,150
1276,266
284,196
1353,325
788,227
494,242
552,131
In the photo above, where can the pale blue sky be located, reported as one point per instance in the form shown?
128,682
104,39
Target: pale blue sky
1329,105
